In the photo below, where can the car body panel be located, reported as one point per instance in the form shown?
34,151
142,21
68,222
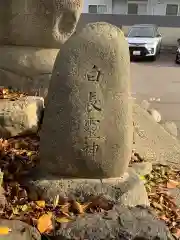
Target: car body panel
177,60
144,46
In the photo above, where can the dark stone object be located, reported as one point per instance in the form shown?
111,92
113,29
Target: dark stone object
121,223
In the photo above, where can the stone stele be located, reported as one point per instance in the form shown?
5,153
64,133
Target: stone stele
87,127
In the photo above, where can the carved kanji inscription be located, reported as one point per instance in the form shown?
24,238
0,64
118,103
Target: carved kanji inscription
90,149
94,74
94,102
91,126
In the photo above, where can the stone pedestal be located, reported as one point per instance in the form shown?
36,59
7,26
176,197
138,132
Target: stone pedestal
128,190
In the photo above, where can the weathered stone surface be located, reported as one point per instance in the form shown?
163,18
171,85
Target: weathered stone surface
19,231
171,128
120,223
34,86
145,105
88,118
155,115
152,141
142,168
2,198
128,190
38,23
27,61
27,69
20,115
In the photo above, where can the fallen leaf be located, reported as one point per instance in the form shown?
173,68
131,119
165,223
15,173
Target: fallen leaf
142,178
44,223
1,177
177,233
172,184
163,217
102,203
5,91
86,206
41,203
157,205
24,207
65,208
63,219
77,207
56,201
4,230
15,210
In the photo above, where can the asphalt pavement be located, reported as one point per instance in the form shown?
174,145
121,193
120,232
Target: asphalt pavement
158,82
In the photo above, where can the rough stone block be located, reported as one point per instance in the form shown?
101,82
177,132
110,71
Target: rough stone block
88,117
155,115
171,128
152,141
19,231
121,223
38,23
145,105
20,115
27,69
128,190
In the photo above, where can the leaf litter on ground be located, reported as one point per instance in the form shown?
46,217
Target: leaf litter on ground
20,154
15,161
162,179
158,183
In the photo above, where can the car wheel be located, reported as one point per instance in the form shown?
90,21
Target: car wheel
153,58
177,61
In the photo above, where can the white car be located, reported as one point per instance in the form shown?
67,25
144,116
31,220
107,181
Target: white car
144,41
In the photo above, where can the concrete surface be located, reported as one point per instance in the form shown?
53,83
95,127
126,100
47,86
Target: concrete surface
158,82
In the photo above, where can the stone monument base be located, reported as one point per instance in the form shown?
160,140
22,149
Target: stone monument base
127,190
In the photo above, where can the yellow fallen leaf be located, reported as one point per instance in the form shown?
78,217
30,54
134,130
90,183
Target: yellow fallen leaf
5,91
4,230
56,201
44,223
65,208
24,208
41,204
63,219
29,154
15,210
172,184
142,178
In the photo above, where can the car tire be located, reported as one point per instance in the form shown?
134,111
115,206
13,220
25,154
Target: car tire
153,58
176,61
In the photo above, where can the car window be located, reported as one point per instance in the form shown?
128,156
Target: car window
148,32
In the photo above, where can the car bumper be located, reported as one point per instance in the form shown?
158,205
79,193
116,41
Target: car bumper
141,52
